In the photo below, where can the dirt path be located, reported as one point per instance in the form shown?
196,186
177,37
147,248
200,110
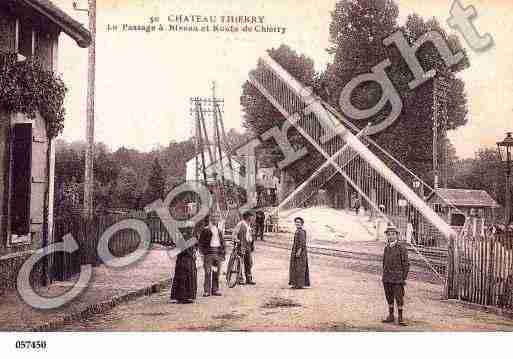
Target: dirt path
339,300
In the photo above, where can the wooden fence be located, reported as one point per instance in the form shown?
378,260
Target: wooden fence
480,269
87,234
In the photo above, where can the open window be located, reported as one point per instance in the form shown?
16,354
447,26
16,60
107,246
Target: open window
21,178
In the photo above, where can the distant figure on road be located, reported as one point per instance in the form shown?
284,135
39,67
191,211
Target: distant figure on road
260,224
357,205
185,280
242,233
299,275
211,243
381,224
395,272
409,232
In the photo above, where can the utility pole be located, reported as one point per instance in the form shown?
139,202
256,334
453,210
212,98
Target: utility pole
436,169
89,155
435,151
440,141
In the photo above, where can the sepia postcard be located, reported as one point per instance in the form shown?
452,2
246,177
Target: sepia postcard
254,166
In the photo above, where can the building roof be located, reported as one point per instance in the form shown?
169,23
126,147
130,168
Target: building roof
467,197
65,22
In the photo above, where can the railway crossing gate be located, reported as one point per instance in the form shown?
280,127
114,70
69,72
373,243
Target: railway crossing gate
377,176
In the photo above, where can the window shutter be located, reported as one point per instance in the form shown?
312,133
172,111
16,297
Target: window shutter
39,180
21,178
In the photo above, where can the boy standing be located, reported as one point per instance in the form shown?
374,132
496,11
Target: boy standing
395,272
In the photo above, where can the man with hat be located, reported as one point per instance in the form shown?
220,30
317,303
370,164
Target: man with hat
395,272
212,246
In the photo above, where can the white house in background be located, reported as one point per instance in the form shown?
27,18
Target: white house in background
213,167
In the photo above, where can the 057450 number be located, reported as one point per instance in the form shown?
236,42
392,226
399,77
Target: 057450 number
31,344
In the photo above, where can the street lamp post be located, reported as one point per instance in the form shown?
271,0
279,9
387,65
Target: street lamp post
505,148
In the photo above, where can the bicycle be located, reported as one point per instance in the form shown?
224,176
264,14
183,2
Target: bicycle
234,267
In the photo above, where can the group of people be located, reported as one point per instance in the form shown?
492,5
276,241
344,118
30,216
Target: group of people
212,247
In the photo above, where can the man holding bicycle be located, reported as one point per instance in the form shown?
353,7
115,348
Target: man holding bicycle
244,237
211,243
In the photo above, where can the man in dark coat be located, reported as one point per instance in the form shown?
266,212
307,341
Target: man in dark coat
212,247
299,275
395,272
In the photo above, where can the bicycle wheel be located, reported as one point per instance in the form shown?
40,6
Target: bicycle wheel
229,266
232,272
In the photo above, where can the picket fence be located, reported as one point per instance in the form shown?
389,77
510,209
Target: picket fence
480,268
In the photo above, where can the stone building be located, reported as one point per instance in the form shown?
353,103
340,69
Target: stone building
28,29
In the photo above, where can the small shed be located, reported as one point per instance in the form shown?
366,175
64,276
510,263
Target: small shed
468,202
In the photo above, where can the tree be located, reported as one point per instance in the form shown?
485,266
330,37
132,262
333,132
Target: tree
115,181
127,191
236,139
69,161
173,159
105,168
483,172
260,115
68,197
357,31
156,184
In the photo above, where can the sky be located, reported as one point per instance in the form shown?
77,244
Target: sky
144,81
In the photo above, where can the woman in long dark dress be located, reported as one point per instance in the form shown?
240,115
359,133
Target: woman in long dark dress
299,275
185,281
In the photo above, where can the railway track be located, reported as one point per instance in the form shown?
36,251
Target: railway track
372,263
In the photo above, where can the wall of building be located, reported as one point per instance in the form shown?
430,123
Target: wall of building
46,37
12,255
45,48
4,163
39,180
7,26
